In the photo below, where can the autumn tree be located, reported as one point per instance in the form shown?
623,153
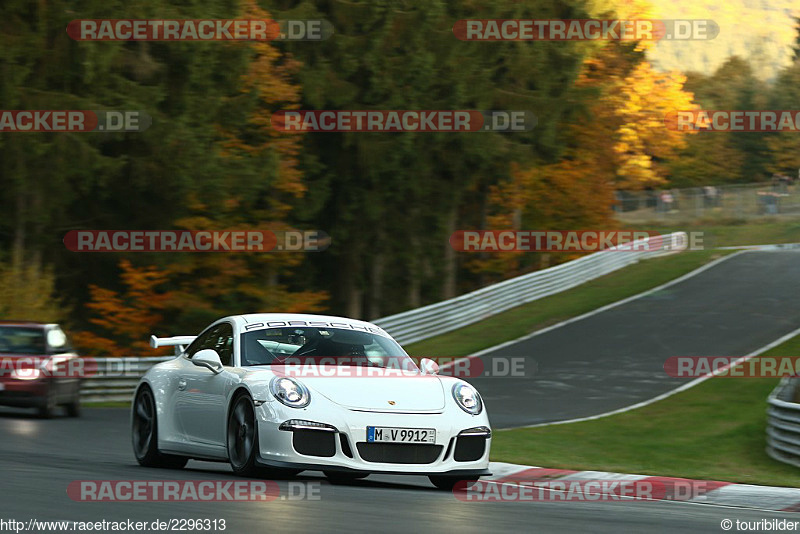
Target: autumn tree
27,292
642,142
220,166
614,138
124,320
784,147
260,188
724,157
391,201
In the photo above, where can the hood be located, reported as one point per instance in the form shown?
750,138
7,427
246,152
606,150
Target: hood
420,393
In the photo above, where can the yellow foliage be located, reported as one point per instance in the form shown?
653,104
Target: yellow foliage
637,106
28,292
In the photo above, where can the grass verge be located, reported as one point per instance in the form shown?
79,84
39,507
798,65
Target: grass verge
714,431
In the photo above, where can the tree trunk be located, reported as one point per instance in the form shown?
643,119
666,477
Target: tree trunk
21,218
449,285
375,286
349,281
414,271
354,302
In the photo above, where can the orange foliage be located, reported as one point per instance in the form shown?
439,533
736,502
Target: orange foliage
269,79
126,319
620,142
203,279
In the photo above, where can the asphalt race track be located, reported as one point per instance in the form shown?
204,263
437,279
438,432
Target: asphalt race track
599,363
39,458
615,358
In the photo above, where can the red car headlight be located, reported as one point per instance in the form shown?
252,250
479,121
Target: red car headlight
31,373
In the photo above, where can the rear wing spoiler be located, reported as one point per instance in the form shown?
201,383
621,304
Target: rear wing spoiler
179,342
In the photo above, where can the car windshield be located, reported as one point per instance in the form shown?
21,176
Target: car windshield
22,340
330,346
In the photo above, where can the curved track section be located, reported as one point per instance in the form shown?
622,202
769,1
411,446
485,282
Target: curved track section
614,358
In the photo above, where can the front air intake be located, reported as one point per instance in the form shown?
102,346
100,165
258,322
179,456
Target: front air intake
314,442
398,453
469,448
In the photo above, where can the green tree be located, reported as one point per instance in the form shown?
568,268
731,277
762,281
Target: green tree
390,201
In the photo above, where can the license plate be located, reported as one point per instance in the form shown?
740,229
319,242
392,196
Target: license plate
400,435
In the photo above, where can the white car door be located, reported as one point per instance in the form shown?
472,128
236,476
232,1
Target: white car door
200,400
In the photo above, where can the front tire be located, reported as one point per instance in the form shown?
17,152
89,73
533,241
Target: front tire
242,437
74,406
144,434
47,409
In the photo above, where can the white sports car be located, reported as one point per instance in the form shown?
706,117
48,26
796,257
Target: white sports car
276,394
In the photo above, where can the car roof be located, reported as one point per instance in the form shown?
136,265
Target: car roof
28,324
252,318
260,317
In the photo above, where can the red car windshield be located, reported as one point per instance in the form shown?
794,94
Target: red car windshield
22,340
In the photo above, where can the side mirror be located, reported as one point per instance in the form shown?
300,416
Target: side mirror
428,366
209,359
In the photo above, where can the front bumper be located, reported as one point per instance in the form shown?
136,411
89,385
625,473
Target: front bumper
22,393
344,447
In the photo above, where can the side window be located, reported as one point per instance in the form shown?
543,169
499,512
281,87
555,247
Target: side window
219,338
200,342
223,343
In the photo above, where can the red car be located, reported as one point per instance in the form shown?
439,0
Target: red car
36,368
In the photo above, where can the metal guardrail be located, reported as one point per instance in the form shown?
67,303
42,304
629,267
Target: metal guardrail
783,423
116,378
422,323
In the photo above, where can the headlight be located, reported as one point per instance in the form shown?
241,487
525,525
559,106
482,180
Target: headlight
467,399
290,392
26,374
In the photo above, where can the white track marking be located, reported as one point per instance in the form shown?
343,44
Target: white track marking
671,392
